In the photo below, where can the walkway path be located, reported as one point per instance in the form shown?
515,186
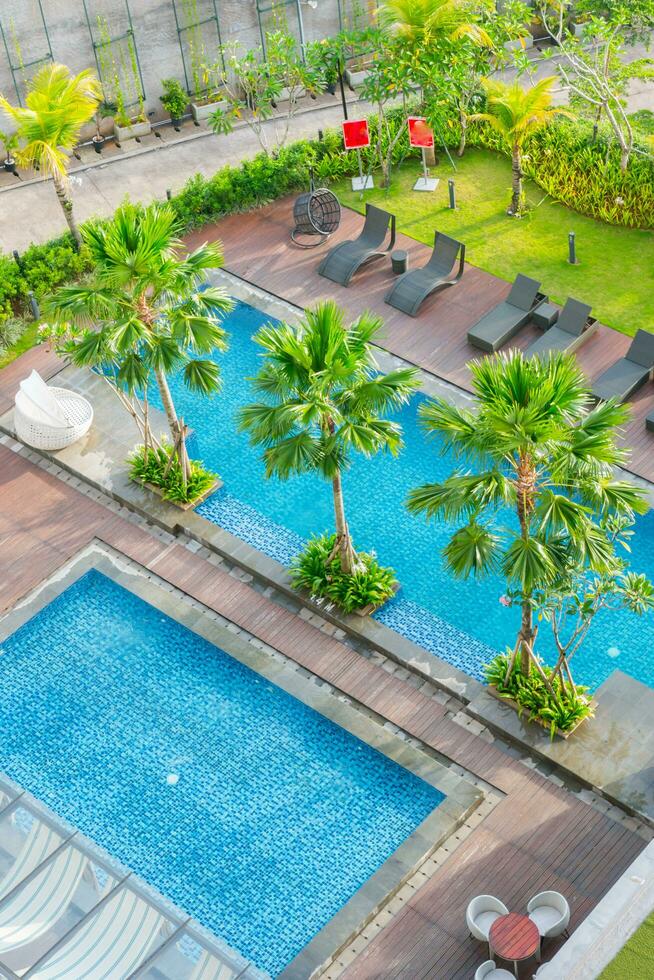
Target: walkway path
539,836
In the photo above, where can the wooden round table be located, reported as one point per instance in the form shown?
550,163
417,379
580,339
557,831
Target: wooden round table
514,937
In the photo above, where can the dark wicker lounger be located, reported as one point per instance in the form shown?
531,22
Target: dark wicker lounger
649,422
504,320
413,287
344,259
624,377
573,327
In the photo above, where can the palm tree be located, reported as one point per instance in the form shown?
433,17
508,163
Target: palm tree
144,308
325,401
534,445
423,21
58,104
516,113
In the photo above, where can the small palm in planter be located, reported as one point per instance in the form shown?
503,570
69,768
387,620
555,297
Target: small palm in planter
106,110
325,400
10,142
174,101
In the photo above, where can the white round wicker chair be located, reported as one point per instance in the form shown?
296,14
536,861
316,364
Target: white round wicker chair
50,418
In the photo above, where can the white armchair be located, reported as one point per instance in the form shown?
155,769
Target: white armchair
488,971
50,418
481,914
551,914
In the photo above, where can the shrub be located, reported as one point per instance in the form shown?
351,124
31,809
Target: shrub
584,173
174,98
321,575
149,468
44,267
562,712
12,287
11,330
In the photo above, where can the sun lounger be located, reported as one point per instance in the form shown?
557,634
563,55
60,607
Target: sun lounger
502,322
39,843
649,422
35,908
112,943
624,377
573,327
414,287
344,259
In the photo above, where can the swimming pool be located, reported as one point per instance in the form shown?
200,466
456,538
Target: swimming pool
277,816
461,622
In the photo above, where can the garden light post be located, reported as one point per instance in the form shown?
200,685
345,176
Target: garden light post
572,250
452,193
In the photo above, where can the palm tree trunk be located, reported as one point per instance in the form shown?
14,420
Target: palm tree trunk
343,540
463,120
525,492
176,432
67,207
516,171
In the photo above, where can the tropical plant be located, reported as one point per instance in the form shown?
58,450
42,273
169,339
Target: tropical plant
423,22
174,98
105,109
10,142
318,570
325,401
146,309
58,104
536,445
159,466
254,81
516,113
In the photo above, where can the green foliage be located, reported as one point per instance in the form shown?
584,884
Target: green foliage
149,467
563,712
174,98
42,268
318,570
11,330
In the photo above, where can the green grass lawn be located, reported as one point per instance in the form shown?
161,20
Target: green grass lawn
635,961
25,341
616,265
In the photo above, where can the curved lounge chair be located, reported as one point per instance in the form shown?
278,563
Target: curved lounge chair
626,376
504,320
112,943
481,914
33,910
39,843
343,260
50,418
488,971
573,328
415,286
551,914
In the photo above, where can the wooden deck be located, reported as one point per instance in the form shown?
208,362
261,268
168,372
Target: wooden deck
537,837
258,248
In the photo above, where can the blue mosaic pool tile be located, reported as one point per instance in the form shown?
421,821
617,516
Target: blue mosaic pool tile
252,527
277,815
436,635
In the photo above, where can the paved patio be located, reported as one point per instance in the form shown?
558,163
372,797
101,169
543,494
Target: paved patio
258,248
538,836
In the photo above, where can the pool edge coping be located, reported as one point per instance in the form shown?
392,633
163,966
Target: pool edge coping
461,797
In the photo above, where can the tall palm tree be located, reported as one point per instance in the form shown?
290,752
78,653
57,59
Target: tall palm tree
424,21
535,445
145,308
58,104
516,113
325,401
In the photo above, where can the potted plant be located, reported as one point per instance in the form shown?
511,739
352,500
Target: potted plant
106,110
10,142
174,101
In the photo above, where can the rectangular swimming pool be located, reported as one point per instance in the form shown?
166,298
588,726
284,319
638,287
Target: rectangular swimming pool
248,809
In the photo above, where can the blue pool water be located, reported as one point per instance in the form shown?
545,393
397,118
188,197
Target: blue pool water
279,815
461,622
